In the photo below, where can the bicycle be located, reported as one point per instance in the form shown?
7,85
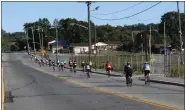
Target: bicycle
74,70
88,73
147,79
62,67
129,83
71,68
83,67
39,63
31,57
53,67
108,72
59,67
42,62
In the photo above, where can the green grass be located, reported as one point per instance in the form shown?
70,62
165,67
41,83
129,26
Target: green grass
177,71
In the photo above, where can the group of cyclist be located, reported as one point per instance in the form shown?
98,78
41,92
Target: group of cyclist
127,70
86,67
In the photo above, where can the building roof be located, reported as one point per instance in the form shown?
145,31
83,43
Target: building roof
51,42
161,45
100,44
63,43
114,42
79,44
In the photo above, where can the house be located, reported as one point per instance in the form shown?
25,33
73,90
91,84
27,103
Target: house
159,49
100,46
113,45
50,44
63,44
78,48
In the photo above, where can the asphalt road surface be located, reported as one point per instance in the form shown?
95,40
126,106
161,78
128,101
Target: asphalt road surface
34,90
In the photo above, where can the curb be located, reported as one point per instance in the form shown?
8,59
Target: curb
97,72
164,82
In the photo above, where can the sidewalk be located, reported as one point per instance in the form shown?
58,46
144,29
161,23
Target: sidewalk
166,80
157,78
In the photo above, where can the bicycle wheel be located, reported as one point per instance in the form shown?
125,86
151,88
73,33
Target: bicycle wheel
148,80
130,81
108,73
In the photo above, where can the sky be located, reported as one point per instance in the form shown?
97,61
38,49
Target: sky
15,14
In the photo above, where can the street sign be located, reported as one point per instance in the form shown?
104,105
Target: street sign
153,60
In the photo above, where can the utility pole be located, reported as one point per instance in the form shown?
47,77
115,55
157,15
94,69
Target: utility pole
95,46
184,46
57,43
33,40
42,39
165,70
150,44
133,40
39,35
26,33
180,32
89,28
142,49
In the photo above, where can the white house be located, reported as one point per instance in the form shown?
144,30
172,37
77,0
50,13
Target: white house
79,47
99,45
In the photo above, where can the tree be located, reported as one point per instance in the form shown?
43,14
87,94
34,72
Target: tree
172,27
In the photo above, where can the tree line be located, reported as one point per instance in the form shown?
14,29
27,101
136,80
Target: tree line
104,33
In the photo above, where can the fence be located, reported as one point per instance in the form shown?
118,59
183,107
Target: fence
175,68
117,61
171,68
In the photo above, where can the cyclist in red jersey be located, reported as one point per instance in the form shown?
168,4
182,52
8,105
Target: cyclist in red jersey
108,68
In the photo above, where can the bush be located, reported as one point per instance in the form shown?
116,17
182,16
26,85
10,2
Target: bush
175,71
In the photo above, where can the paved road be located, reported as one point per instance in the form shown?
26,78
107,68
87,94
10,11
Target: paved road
34,90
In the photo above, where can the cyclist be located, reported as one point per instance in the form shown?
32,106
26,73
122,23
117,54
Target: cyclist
90,64
74,66
108,68
128,72
58,61
53,63
59,65
62,65
146,70
49,61
42,62
83,65
70,65
31,57
88,70
36,59
39,61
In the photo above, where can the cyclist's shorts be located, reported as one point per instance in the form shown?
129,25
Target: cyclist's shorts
108,69
128,74
147,72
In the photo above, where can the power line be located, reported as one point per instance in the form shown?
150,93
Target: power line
120,10
157,17
127,16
